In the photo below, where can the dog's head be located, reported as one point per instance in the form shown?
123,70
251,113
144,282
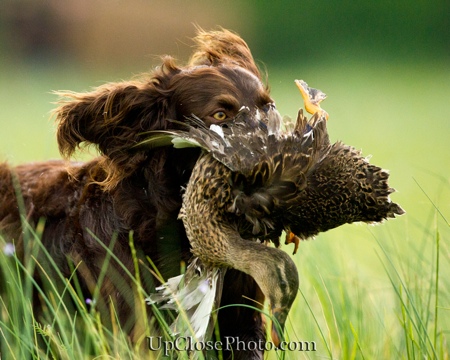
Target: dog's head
220,78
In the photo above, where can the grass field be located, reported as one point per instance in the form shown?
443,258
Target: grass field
366,292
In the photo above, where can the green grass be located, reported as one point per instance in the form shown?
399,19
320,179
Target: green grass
66,329
347,308
400,311
366,292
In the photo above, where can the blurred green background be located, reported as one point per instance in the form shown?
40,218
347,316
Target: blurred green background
384,65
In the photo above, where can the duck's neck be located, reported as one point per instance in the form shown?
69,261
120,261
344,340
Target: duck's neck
246,255
266,265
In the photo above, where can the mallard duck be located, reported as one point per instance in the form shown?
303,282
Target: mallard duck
220,237
252,182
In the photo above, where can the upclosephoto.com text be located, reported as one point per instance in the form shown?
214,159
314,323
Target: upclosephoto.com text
189,344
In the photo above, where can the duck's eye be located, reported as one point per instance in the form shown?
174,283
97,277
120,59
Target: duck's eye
220,116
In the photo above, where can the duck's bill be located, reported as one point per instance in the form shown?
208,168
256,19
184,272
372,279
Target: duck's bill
278,321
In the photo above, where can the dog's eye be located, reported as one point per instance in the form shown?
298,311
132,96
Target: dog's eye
220,116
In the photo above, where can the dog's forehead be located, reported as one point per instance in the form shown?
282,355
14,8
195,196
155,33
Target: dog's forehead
248,87
242,75
234,73
203,84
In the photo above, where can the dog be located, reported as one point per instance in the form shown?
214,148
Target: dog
130,192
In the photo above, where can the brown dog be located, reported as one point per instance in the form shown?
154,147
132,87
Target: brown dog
128,190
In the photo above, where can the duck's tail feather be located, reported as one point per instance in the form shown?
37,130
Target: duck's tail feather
194,296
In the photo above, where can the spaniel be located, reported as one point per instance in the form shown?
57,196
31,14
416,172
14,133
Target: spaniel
83,209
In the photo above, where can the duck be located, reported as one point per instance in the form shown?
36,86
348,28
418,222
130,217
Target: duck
252,182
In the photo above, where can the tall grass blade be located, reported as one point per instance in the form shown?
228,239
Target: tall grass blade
419,325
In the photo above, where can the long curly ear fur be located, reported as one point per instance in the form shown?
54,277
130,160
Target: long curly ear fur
113,116
222,47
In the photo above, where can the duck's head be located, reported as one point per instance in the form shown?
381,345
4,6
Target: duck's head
277,276
281,290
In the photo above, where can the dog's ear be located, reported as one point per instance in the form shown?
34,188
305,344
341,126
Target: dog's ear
223,46
114,115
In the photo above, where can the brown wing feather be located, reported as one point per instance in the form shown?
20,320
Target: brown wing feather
293,179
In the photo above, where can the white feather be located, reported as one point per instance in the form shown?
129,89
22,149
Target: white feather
218,130
193,296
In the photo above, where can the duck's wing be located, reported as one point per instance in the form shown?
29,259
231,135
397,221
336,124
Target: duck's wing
193,295
237,144
269,166
193,133
270,183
